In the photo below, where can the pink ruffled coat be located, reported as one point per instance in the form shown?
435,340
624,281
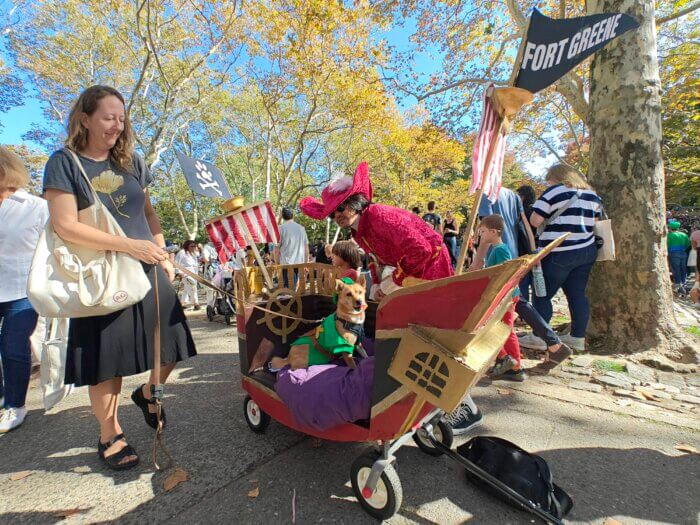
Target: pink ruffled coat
402,239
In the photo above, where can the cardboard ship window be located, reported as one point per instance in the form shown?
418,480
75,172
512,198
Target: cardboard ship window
429,372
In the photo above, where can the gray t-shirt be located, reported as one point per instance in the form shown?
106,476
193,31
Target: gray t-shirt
293,243
120,191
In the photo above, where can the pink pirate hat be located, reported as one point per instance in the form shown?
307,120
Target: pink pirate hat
336,192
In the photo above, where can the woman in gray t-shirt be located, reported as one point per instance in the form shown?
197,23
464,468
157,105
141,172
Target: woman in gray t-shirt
103,349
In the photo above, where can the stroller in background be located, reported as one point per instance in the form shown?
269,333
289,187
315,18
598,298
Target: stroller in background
218,303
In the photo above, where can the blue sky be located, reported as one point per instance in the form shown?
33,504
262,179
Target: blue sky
19,120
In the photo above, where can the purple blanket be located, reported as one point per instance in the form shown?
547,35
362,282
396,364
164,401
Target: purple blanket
324,396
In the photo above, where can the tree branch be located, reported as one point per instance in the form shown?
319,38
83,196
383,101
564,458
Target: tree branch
678,14
516,14
571,88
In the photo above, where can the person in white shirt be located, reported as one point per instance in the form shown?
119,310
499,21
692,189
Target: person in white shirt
188,257
210,263
294,244
22,219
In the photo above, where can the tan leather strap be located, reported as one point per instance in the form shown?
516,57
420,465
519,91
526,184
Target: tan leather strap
349,361
156,330
157,441
320,348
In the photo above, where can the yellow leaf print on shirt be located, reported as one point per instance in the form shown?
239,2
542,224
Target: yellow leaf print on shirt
108,182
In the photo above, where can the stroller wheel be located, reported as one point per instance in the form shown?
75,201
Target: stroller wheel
257,419
227,318
210,313
386,499
443,434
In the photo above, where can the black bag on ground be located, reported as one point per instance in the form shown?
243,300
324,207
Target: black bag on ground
525,473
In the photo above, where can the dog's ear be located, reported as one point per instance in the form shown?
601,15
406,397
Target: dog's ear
339,285
361,280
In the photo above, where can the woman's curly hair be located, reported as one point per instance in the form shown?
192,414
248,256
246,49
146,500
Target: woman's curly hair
122,153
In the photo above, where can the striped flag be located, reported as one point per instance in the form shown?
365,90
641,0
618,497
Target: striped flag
227,233
488,129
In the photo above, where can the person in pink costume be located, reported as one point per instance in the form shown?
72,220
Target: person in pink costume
396,237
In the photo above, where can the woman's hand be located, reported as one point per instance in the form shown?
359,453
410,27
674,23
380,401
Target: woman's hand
169,269
146,251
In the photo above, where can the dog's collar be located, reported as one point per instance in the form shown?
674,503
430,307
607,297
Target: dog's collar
348,325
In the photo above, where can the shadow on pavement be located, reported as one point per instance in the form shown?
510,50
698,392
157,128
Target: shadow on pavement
641,484
209,438
207,435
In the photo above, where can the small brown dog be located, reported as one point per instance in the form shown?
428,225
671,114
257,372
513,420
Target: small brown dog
337,336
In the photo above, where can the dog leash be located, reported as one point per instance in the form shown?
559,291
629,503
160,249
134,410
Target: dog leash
211,285
157,389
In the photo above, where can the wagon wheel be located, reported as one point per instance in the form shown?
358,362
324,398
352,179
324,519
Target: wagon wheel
278,324
386,499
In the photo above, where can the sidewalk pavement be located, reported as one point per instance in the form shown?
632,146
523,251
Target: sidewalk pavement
612,464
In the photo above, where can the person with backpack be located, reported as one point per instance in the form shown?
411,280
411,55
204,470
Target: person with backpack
433,218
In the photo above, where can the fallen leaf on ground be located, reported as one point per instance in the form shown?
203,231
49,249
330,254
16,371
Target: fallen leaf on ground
611,521
647,395
505,391
20,475
66,513
254,493
174,479
346,498
684,447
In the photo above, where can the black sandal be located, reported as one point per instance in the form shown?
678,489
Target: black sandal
140,401
114,461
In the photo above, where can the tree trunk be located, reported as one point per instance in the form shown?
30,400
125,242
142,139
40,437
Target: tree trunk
631,298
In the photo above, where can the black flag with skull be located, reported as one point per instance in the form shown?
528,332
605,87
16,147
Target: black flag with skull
203,177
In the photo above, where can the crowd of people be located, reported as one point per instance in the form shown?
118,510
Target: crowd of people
390,246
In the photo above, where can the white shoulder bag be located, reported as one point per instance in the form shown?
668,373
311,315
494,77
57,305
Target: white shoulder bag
53,363
70,280
604,239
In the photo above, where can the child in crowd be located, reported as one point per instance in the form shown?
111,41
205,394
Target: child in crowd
346,256
508,362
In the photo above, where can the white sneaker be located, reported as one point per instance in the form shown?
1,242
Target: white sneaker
12,418
576,343
532,341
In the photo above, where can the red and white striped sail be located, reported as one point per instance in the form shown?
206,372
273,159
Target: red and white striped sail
488,133
228,233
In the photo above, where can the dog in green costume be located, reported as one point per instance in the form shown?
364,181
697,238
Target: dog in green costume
337,336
